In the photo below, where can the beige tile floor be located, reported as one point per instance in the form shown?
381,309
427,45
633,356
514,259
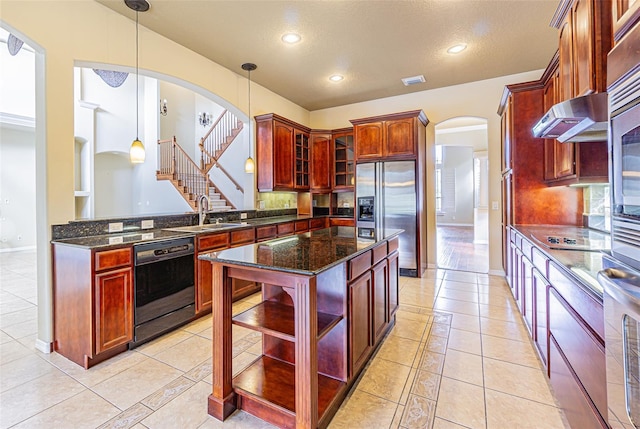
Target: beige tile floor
458,357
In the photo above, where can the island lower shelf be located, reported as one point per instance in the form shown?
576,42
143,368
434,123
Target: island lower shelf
270,383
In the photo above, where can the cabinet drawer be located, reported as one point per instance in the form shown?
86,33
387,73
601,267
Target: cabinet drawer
539,261
393,244
266,232
526,248
583,353
379,253
113,258
286,228
590,310
213,241
318,223
337,221
575,405
243,236
359,265
302,225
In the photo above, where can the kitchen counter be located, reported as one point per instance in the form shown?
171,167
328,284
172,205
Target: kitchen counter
308,253
582,265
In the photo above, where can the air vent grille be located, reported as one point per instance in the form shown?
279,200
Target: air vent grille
413,80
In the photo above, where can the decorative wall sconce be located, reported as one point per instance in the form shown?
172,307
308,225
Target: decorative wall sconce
163,107
204,118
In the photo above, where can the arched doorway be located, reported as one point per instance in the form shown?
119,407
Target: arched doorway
461,182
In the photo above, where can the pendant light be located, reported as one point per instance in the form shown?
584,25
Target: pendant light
137,152
249,165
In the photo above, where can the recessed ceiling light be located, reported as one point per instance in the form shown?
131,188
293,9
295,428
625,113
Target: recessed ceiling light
291,38
456,49
413,80
336,78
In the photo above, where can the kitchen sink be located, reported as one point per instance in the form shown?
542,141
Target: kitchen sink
203,228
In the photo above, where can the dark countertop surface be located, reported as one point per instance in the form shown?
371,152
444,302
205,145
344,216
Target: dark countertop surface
582,265
113,240
308,253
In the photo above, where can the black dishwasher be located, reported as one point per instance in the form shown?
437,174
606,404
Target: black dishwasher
164,273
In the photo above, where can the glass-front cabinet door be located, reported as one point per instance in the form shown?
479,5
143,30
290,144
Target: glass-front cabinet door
344,177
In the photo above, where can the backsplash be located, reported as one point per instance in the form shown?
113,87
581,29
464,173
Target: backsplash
86,228
277,200
597,207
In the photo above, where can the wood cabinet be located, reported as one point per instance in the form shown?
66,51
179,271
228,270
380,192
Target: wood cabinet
625,15
360,326
341,221
388,137
207,243
321,159
566,324
93,302
282,154
344,160
585,38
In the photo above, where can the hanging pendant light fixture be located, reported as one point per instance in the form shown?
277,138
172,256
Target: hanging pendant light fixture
249,165
137,152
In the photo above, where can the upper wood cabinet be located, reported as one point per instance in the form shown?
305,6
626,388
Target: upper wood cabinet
585,38
282,153
625,14
343,160
392,136
321,160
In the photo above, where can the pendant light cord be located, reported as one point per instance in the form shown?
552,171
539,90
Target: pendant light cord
250,142
137,78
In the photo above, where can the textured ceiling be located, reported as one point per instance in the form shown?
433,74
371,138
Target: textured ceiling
372,43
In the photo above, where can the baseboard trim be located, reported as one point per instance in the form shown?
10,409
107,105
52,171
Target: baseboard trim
44,346
497,273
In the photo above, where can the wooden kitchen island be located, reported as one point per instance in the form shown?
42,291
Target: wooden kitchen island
328,298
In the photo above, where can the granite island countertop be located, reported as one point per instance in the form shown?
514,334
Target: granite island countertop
582,265
307,253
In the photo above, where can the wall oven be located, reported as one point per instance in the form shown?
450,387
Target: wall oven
164,273
624,110
621,296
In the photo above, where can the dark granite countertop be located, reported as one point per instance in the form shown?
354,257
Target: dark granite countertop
582,265
114,240
308,253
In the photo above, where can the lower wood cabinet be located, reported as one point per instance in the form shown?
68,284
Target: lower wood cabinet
114,308
207,243
379,275
93,302
393,283
360,291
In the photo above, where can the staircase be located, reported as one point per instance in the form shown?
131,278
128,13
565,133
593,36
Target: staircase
191,180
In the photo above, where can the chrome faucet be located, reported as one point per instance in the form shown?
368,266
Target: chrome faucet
218,220
201,200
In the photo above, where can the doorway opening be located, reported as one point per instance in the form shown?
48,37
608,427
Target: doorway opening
462,194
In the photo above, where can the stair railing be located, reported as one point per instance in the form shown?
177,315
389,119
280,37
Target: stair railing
175,162
223,131
216,164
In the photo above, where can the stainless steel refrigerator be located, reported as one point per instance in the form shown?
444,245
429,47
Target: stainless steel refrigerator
386,198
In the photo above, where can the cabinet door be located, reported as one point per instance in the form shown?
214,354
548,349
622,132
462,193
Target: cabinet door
393,284
301,160
113,309
360,338
565,154
399,138
380,299
344,168
583,64
283,156
526,303
541,336
565,55
369,138
549,144
320,162
204,287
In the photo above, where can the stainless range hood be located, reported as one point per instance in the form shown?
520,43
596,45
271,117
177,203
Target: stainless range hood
581,119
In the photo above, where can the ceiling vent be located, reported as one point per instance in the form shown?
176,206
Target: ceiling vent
413,80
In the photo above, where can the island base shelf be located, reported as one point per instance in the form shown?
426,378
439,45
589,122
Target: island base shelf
266,389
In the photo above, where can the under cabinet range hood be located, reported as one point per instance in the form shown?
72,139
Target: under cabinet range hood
581,119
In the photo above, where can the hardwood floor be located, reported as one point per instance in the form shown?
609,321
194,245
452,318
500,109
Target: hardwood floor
456,250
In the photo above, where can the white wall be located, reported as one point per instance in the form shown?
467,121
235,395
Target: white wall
17,187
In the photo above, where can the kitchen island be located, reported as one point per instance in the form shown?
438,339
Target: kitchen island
328,299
